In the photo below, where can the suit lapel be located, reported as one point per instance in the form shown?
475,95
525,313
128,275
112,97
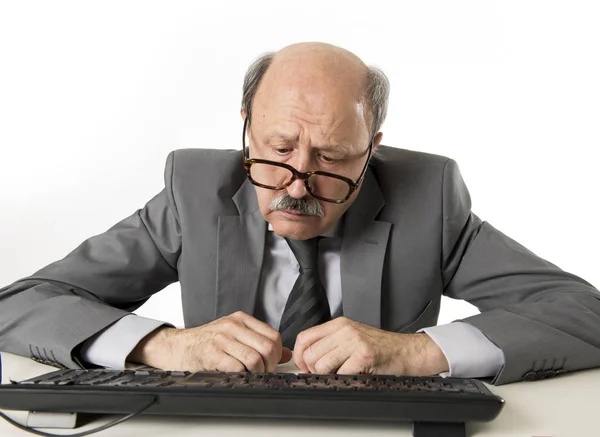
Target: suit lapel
363,255
241,245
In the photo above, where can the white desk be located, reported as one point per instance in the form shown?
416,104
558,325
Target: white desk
565,406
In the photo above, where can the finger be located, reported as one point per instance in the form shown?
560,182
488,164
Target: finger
332,361
286,355
251,359
226,363
266,330
352,366
258,326
319,349
307,338
269,351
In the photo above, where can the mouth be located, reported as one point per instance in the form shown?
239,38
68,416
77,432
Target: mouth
293,214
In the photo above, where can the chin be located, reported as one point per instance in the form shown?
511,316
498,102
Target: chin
295,230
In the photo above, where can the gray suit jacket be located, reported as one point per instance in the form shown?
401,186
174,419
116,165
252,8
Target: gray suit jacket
409,238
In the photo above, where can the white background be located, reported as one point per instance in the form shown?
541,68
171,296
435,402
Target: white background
93,95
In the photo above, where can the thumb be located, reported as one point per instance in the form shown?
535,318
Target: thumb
286,355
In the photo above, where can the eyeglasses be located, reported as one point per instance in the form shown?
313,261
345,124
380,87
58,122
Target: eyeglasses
322,185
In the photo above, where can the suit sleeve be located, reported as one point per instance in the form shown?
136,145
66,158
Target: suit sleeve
48,315
111,347
545,321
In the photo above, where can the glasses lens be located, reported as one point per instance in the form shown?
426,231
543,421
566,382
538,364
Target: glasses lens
270,175
275,177
328,187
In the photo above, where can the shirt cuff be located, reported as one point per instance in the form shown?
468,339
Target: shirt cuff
469,353
110,347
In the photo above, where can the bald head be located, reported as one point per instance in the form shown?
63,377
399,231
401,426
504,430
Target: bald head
318,83
318,65
328,53
322,69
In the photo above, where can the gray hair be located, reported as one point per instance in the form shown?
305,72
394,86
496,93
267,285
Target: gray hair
377,90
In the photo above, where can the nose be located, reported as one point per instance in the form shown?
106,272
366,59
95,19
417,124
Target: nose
297,189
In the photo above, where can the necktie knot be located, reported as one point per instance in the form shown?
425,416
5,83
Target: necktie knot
305,252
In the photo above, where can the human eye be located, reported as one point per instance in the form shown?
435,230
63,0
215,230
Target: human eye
328,159
282,150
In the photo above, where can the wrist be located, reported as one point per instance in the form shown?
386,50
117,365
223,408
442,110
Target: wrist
152,349
419,355
431,359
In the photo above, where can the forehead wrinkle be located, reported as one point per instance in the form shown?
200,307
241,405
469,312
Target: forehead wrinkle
330,137
278,136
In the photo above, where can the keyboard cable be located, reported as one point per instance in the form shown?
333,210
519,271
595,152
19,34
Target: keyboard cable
84,433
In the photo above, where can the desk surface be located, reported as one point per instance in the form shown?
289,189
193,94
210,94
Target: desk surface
564,406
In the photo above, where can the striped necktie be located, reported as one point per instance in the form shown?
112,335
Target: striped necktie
307,304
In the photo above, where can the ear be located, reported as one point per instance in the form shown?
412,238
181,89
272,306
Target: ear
243,114
377,140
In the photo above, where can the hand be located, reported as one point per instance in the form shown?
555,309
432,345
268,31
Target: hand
234,343
344,346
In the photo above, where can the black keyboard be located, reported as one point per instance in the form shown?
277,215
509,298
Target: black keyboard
277,395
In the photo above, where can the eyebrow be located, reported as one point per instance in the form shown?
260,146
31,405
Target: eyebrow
280,136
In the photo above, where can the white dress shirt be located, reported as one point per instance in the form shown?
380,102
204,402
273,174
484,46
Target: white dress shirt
468,352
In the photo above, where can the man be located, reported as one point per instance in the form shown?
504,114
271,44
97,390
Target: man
299,244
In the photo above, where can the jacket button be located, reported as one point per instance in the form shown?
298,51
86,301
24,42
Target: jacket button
530,376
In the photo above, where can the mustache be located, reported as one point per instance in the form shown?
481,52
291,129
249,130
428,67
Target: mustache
305,205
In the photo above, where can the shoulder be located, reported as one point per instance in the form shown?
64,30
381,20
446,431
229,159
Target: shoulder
387,157
422,183
205,175
394,167
201,166
207,162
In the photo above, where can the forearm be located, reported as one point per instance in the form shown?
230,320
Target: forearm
551,337
155,349
428,358
48,321
541,317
